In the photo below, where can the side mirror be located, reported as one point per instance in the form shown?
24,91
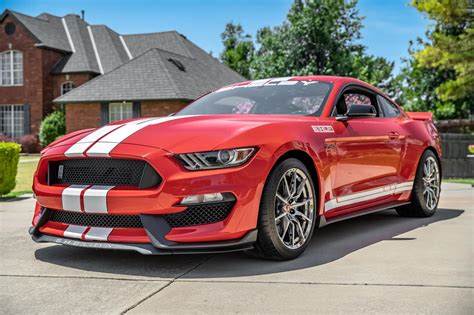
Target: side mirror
359,111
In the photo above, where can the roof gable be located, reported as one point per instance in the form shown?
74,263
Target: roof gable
48,30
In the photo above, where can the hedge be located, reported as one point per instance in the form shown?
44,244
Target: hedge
9,156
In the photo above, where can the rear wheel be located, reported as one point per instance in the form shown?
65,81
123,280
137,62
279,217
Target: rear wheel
426,188
287,212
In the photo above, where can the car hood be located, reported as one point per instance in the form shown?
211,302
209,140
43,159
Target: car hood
180,134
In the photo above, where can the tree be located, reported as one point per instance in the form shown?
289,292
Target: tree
415,89
238,49
450,46
439,77
318,37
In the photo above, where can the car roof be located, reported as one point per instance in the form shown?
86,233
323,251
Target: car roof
325,78
341,81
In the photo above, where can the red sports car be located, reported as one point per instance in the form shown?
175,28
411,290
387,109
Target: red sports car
253,166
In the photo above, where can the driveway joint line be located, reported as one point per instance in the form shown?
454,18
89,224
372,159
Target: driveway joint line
329,283
166,285
85,278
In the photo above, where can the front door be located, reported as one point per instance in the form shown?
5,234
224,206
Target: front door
368,156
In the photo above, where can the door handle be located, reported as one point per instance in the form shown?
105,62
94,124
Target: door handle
393,135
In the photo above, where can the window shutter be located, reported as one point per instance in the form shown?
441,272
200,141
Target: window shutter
136,109
104,113
26,119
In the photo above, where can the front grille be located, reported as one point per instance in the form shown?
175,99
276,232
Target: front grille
96,219
103,171
200,214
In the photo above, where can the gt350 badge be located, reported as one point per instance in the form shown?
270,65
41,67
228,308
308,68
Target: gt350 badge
322,129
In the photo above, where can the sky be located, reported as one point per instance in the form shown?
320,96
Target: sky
388,24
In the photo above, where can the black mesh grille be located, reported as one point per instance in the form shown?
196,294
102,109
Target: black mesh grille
200,214
96,219
101,171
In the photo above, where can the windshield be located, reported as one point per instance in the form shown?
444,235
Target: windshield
300,98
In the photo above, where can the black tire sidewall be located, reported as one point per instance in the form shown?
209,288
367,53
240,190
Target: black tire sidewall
267,206
418,199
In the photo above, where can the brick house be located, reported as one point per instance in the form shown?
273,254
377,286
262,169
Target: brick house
98,75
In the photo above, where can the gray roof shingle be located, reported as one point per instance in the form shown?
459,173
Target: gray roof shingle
47,29
151,76
148,75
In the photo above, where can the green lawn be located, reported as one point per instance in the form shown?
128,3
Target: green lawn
469,181
24,177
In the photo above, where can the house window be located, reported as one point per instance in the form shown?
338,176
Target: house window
12,120
11,68
120,111
66,87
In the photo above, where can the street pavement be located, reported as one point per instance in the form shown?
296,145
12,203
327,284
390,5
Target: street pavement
379,263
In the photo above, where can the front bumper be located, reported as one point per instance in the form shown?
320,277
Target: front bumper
155,248
236,232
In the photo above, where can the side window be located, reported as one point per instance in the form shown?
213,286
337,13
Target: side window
389,109
350,98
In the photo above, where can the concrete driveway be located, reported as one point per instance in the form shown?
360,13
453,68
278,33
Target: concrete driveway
379,263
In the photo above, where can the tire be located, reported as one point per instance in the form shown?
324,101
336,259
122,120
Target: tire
421,204
293,219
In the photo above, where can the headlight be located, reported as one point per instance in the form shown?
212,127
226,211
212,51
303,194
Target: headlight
215,159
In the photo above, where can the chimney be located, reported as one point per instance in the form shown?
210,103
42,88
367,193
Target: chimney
82,14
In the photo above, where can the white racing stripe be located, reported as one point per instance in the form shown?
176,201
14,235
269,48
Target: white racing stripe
75,231
367,195
104,146
98,234
77,149
95,199
71,197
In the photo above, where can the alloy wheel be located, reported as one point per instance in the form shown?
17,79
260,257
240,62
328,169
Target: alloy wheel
431,183
294,208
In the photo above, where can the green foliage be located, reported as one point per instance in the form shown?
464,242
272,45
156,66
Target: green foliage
450,46
53,126
238,49
318,37
9,155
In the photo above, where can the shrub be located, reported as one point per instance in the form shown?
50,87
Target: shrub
9,156
53,126
30,144
4,138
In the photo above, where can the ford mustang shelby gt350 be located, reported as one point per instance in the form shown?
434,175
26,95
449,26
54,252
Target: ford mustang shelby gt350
253,166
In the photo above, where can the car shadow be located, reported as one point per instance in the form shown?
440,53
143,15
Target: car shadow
329,244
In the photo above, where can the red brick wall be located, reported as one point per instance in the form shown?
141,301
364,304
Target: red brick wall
82,116
88,115
39,87
31,92
77,78
161,108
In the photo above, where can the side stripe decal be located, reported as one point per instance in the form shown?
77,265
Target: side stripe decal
367,195
71,197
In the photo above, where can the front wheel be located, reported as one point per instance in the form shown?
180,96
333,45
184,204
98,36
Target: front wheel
287,212
426,188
